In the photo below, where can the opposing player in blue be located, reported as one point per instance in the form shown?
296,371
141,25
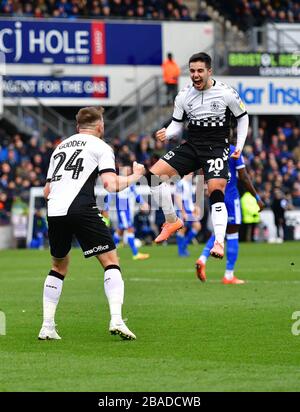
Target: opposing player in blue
125,217
232,202
188,212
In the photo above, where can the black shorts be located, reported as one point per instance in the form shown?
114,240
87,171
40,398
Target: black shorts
186,158
89,229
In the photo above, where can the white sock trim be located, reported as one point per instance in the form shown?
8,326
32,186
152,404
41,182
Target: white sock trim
232,236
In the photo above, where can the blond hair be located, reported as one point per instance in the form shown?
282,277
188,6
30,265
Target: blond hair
88,117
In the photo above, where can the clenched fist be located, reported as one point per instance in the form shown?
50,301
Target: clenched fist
138,169
161,134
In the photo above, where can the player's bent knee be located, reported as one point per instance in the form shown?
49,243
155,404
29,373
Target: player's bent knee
108,258
216,184
216,196
60,265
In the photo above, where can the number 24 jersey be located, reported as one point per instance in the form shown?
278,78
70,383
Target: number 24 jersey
74,167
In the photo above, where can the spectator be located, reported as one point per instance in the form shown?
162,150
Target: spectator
171,73
279,206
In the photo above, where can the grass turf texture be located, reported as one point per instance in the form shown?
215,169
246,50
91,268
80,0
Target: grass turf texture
190,336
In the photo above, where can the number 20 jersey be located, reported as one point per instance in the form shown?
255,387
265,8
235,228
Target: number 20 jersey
74,167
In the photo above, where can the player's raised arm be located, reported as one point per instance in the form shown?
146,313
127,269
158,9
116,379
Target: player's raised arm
176,126
242,131
114,183
238,109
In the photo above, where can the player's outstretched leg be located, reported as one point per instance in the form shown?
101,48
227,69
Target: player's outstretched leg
168,229
201,262
232,251
162,196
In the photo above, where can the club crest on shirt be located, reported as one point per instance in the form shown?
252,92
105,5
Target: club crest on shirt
214,106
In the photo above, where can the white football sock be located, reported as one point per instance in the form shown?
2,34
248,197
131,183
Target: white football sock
228,274
163,198
219,217
114,290
52,291
203,259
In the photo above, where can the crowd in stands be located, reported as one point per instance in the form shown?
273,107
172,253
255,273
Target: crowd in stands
272,157
144,9
244,13
249,13
23,164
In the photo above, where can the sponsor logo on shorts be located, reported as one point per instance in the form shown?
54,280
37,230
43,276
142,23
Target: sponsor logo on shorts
96,249
169,155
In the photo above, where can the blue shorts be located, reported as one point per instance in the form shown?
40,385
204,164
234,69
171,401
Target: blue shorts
233,207
124,219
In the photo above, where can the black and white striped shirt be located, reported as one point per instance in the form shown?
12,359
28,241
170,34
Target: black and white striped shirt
208,112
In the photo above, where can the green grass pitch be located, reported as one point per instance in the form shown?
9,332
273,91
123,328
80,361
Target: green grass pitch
190,336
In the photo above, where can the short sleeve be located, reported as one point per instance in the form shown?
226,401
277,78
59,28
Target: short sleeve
234,102
106,160
178,113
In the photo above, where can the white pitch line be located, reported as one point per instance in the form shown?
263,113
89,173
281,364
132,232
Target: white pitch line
210,280
190,270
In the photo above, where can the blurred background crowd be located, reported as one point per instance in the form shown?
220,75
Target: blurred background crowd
272,158
246,13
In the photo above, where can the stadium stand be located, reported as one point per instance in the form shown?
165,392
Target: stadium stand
273,159
138,9
272,156
244,13
247,14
